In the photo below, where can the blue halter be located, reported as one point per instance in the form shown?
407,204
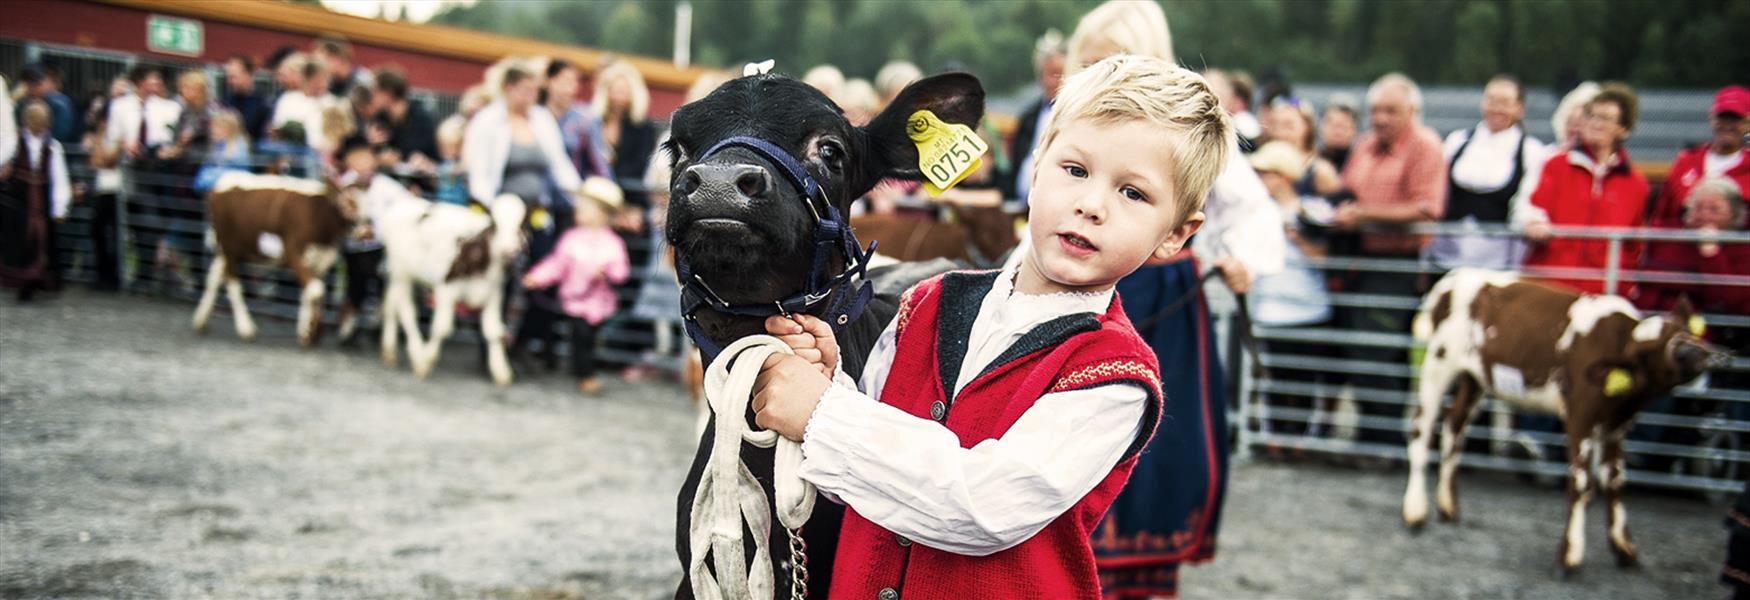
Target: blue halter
832,233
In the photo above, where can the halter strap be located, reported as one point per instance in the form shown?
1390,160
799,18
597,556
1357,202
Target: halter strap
832,232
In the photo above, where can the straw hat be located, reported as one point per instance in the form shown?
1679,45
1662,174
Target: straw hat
603,191
1281,158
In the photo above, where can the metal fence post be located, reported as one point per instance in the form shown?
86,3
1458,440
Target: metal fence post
1611,276
127,265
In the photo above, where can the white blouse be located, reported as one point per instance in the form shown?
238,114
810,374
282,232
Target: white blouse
60,189
911,476
1487,165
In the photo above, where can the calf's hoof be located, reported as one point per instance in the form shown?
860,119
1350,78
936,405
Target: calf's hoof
389,359
1449,516
1567,573
1626,560
1415,527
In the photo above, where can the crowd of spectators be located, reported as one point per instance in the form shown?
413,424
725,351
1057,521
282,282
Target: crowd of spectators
1341,187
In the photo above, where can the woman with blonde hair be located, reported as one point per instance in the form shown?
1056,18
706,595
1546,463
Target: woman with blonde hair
1170,511
628,138
514,146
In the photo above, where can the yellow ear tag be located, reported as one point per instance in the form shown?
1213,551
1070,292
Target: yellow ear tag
539,219
1697,326
1618,382
477,208
947,152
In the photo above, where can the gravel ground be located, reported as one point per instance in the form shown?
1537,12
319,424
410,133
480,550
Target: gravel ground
138,460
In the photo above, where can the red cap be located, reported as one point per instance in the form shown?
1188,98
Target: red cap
1733,100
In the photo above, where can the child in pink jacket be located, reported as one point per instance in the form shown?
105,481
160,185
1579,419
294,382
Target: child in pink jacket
588,263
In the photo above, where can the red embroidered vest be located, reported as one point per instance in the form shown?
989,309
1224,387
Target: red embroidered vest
1070,352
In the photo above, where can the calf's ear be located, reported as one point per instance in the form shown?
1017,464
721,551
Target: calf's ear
953,97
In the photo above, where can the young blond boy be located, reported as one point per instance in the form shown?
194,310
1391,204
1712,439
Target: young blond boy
1002,411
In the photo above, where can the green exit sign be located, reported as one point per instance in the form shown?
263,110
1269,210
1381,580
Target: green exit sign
171,35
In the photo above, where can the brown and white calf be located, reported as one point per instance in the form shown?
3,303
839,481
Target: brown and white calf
298,223
460,255
1594,361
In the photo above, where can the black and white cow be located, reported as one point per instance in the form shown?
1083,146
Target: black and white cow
741,226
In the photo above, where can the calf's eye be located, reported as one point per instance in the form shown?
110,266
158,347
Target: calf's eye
832,156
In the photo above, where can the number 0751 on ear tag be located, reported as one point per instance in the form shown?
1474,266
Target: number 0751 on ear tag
947,152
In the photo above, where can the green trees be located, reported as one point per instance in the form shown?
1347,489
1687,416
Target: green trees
1693,43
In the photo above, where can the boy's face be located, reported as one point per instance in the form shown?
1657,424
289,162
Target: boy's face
1102,203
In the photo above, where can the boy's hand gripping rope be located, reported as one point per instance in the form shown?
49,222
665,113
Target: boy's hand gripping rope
728,495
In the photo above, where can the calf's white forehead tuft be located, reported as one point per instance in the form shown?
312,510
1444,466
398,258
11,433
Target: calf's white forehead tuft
1650,329
239,180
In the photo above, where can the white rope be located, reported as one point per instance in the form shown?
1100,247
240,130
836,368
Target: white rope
728,495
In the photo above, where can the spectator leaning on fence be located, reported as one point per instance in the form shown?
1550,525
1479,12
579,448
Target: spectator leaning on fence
306,103
513,146
1048,56
43,84
1295,296
1723,156
102,157
39,193
1494,167
195,123
240,95
1714,205
452,177
1398,176
1569,115
1337,127
578,127
411,130
1593,184
622,107
142,122
336,54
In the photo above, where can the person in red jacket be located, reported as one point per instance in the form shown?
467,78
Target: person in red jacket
1714,205
1002,411
1594,184
1724,156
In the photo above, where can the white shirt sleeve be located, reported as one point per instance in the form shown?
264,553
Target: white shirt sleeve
1520,210
1453,141
120,127
910,476
62,187
8,127
1242,221
477,142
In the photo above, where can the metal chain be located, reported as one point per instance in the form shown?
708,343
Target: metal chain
798,565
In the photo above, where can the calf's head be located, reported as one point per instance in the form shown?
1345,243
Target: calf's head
507,212
1667,350
734,217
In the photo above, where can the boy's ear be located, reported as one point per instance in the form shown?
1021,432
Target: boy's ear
1181,234
953,97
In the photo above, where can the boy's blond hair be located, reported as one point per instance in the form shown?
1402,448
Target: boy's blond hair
1126,89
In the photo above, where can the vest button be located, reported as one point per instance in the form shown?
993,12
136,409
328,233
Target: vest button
938,410
888,594
903,541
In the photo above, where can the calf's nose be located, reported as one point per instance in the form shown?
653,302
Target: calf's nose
748,181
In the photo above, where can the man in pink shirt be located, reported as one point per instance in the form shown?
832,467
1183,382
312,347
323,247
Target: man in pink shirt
1397,172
